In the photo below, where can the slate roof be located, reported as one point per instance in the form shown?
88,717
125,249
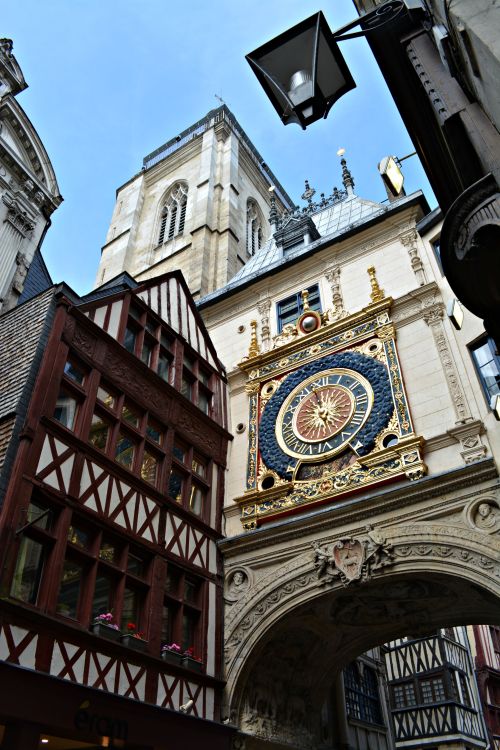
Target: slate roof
37,279
332,222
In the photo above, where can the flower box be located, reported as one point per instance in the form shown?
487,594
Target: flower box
131,641
105,631
172,657
193,664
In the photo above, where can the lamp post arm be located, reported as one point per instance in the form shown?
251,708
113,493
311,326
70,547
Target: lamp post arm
374,20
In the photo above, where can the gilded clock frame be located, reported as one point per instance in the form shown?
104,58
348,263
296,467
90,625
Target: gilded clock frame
371,332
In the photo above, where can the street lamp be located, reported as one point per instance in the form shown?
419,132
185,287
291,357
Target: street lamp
303,71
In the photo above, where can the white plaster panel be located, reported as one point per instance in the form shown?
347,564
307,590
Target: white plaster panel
100,315
210,704
45,456
211,634
114,318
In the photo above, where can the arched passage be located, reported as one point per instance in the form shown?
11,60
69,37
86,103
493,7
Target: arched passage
291,634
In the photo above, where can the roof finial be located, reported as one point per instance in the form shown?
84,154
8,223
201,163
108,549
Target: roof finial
305,299
273,213
254,344
347,178
377,293
308,193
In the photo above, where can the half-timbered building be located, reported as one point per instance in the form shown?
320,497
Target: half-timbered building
486,648
113,449
432,691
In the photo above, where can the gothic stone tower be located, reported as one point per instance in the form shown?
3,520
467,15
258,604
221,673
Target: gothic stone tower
200,204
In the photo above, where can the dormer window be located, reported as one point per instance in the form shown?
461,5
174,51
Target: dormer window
254,228
173,213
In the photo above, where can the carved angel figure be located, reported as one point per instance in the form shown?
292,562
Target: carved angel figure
321,559
378,547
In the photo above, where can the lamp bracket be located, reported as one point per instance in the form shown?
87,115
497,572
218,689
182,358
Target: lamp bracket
382,15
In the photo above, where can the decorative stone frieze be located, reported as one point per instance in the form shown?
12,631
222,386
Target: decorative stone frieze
433,313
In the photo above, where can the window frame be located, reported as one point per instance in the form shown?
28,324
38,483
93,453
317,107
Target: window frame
282,320
191,478
361,696
178,604
485,340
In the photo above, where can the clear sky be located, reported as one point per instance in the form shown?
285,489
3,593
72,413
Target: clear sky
110,81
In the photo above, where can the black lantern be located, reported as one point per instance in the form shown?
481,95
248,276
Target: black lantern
302,71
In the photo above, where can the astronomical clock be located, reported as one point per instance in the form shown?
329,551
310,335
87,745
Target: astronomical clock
328,412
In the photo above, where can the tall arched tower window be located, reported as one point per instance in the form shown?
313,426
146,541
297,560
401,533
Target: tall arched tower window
173,214
255,236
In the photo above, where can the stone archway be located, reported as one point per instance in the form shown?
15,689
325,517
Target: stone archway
297,626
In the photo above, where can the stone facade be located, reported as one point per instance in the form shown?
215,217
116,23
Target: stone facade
29,193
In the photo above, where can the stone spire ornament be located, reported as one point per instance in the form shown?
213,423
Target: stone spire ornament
347,177
305,300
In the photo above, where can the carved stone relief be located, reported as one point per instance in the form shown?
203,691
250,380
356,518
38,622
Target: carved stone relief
236,585
333,277
264,309
410,241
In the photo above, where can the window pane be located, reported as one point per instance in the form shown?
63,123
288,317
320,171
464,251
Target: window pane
135,312
190,591
186,387
167,625
189,362
102,601
35,515
189,620
106,397
147,351
151,326
66,408
131,415
69,593
204,377
173,581
130,609
74,371
175,486
28,572
136,565
163,366
99,432
125,449
109,551
129,340
165,340
149,467
179,452
196,500
204,400
199,466
79,537
482,354
154,431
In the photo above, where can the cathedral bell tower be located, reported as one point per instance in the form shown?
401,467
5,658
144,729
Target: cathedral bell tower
200,203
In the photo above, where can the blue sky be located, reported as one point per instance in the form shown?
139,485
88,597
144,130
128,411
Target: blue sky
111,81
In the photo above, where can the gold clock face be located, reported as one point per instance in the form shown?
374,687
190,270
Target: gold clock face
322,415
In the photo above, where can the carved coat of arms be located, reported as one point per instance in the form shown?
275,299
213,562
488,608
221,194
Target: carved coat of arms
349,556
